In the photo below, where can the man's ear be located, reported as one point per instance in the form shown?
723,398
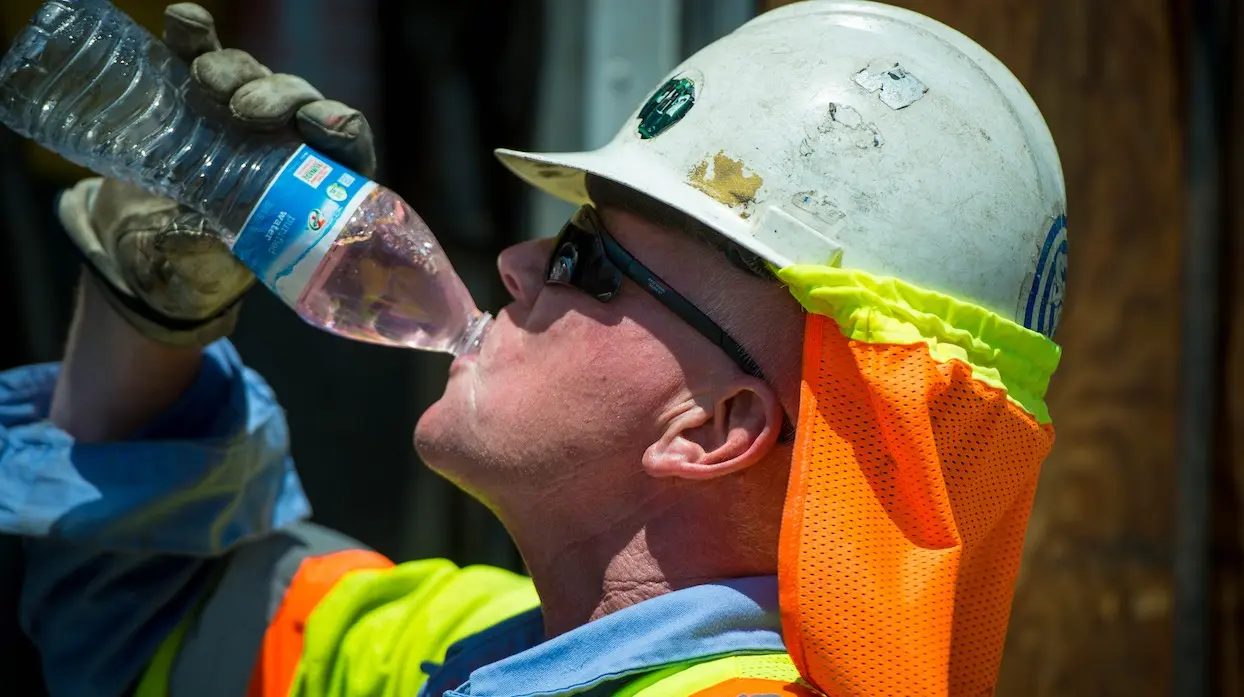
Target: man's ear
739,430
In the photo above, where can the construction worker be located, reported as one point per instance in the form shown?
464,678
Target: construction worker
765,417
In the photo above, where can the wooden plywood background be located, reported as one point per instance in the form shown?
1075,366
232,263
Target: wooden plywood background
1092,613
1229,484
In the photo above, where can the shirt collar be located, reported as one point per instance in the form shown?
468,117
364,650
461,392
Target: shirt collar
716,619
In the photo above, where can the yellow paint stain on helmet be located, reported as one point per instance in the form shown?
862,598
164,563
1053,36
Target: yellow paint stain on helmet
723,180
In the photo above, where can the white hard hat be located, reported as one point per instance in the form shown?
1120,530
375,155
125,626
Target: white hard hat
855,134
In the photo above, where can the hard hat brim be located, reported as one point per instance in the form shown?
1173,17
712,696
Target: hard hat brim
563,175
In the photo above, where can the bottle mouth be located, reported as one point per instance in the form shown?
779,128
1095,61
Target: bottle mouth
473,337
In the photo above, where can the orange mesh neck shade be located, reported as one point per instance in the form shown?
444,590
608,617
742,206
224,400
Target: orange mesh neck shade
908,498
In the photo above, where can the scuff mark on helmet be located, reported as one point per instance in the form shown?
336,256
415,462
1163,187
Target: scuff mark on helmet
820,207
845,122
722,178
899,88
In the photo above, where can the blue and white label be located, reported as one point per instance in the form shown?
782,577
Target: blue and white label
1045,296
297,219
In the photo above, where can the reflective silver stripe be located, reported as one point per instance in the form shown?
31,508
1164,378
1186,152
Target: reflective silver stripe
223,642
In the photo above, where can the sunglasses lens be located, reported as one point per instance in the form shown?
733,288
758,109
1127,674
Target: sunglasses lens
578,260
562,264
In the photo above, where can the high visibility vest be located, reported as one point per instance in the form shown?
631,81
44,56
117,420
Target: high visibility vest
732,676
348,607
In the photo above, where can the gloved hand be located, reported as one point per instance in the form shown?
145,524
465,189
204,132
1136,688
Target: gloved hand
165,270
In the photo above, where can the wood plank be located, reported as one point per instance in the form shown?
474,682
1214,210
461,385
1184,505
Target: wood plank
1229,484
1093,606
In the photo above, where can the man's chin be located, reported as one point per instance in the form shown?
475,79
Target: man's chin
440,435
442,446
429,432
442,422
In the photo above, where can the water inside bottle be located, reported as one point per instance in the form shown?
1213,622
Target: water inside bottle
386,280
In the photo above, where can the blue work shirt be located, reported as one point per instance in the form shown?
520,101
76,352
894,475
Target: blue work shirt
733,617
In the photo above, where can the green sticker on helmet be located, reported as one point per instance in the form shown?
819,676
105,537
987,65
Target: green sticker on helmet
666,107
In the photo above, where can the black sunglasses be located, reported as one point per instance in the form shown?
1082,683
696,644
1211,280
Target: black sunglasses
585,256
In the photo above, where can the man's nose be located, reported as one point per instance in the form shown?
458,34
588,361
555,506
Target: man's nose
522,268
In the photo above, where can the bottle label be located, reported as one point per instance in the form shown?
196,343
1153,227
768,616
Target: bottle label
297,219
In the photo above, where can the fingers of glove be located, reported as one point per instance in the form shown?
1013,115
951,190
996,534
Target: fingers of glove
189,30
271,101
340,132
221,73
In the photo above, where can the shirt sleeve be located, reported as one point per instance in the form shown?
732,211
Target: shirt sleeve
212,471
124,538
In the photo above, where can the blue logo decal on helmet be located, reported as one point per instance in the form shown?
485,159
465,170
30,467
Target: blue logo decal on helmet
1045,297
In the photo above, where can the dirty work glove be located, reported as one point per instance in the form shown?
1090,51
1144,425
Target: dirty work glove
166,271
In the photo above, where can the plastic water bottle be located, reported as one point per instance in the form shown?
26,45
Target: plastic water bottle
351,257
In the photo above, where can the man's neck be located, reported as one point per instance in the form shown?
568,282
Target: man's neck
577,586
599,572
